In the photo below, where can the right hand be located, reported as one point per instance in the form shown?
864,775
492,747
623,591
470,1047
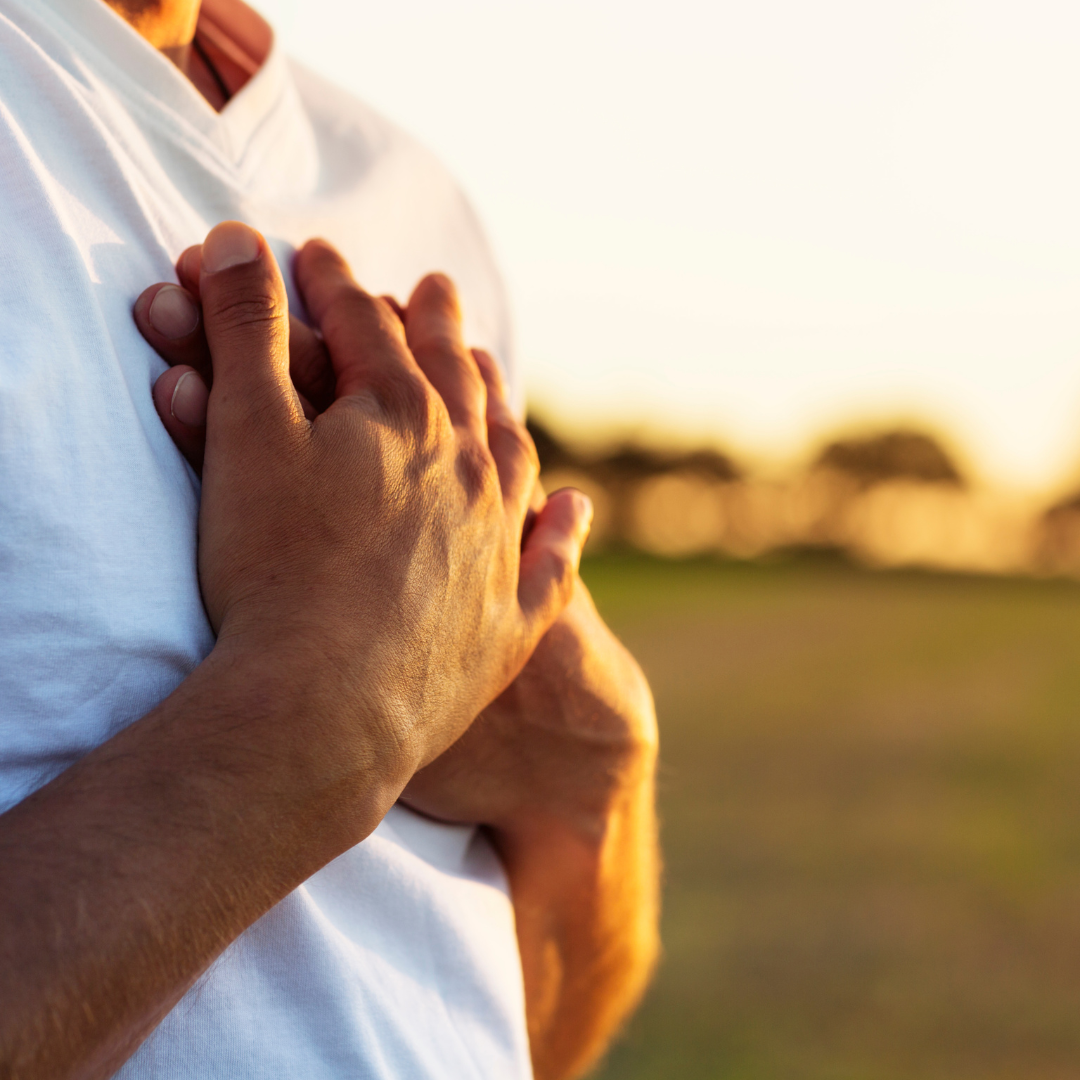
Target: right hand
373,555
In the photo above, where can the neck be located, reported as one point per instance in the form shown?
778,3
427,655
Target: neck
168,25
218,67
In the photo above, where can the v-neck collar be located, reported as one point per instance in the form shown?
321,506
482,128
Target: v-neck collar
150,83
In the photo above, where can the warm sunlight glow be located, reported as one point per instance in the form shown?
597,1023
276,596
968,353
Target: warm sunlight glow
751,222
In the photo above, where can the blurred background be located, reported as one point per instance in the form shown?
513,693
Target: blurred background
797,289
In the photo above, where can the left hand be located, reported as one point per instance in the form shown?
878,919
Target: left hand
562,741
557,744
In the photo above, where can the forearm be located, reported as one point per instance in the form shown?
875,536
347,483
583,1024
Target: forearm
128,874
586,901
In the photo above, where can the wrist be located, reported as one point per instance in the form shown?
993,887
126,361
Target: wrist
586,800
156,849
303,760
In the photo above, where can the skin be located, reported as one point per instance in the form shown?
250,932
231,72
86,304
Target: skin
169,25
559,766
126,875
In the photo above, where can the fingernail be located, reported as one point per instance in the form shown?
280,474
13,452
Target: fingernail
229,244
172,314
189,398
584,509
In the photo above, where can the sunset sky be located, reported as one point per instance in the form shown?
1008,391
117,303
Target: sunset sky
757,223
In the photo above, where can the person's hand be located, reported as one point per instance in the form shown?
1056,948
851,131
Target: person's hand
377,548
170,318
560,765
558,743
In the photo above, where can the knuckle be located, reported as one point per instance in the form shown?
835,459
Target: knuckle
561,570
476,471
354,312
408,397
237,310
442,347
350,307
421,409
514,439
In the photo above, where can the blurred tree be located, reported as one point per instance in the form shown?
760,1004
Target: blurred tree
552,451
891,455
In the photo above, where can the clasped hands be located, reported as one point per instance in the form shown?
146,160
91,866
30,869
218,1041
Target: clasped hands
371,524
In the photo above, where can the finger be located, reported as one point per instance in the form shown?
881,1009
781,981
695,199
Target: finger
245,313
537,499
510,443
164,314
310,366
363,337
492,375
181,396
551,556
170,320
309,363
433,332
394,306
188,268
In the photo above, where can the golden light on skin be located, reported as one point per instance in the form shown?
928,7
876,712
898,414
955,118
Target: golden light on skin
169,25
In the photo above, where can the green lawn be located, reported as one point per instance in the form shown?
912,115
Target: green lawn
870,797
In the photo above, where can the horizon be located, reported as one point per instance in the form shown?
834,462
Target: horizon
758,226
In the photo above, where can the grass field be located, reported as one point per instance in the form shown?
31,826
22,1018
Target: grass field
870,797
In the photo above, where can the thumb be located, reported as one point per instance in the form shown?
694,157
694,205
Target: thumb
550,557
246,316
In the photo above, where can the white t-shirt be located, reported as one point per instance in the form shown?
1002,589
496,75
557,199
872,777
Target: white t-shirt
399,959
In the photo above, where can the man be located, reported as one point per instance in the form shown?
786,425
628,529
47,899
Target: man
178,800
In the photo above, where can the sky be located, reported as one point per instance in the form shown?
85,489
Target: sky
758,223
